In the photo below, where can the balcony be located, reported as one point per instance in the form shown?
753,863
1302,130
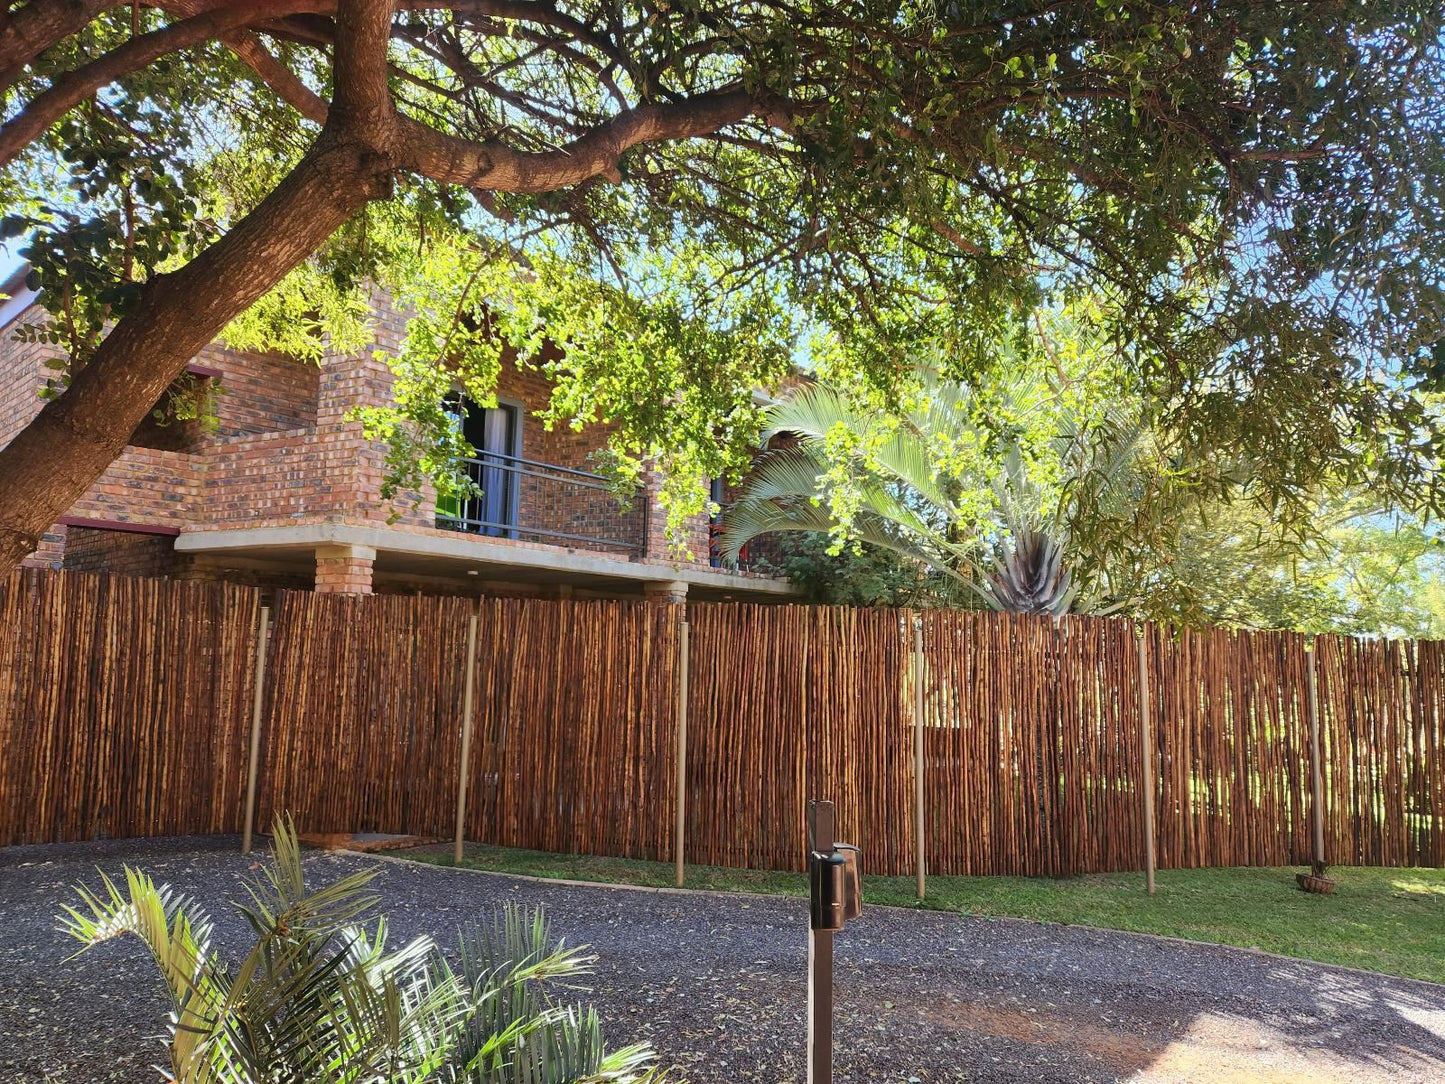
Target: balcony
540,502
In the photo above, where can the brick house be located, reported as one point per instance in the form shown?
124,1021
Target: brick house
286,492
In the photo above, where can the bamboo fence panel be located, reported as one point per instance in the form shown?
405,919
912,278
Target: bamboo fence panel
362,727
1233,737
1425,746
789,703
1031,751
575,735
1382,707
1100,825
861,721
124,706
747,728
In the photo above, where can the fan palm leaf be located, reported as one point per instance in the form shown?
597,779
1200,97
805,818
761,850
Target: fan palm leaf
906,504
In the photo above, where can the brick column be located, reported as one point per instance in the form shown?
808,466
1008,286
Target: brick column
51,551
668,591
658,547
344,569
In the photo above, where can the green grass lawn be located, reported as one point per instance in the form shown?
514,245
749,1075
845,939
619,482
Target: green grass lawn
1388,920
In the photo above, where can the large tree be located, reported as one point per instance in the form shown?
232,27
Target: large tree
679,190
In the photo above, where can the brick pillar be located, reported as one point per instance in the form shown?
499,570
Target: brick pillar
344,569
51,551
673,591
658,547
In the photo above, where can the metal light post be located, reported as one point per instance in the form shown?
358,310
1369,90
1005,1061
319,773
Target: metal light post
834,896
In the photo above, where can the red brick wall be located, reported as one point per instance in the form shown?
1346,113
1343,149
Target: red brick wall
93,549
285,453
145,485
278,478
262,393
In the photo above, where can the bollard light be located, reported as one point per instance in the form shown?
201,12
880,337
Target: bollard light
835,896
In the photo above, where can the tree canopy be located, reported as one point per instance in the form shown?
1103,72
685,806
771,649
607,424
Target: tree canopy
665,204
1362,570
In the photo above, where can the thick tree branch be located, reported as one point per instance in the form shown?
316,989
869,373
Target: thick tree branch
248,48
492,165
39,25
77,435
362,99
286,84
72,88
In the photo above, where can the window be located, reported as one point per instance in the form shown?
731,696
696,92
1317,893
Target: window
719,494
496,435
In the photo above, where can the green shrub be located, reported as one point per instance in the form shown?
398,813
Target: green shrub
319,998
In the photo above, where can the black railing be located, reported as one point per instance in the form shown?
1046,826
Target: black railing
541,502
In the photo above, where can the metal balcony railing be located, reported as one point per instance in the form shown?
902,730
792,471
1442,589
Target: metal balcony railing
541,502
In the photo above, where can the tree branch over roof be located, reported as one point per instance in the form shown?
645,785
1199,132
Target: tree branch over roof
1253,193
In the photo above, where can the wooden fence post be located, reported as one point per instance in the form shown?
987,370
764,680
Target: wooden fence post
683,666
920,821
464,768
257,704
1145,704
1317,778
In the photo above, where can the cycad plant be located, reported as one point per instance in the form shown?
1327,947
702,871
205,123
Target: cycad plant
320,999
982,520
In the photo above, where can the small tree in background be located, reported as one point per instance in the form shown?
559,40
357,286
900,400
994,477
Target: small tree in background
993,512
1034,501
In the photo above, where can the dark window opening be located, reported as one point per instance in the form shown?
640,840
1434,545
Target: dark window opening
496,435
719,495
176,423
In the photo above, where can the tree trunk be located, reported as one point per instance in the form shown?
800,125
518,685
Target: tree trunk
76,436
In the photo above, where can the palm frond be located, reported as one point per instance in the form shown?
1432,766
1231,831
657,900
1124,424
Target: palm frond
903,505
514,1035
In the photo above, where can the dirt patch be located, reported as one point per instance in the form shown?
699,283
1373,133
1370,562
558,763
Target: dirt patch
1051,1028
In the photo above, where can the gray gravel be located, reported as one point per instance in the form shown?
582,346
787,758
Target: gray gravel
717,985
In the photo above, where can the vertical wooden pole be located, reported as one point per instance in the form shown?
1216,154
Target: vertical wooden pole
821,837
680,827
920,820
1145,711
258,702
464,769
1317,778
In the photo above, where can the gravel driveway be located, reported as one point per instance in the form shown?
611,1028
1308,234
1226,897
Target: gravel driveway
717,985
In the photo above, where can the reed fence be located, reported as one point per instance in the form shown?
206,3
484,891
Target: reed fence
788,703
574,738
123,706
952,743
362,721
